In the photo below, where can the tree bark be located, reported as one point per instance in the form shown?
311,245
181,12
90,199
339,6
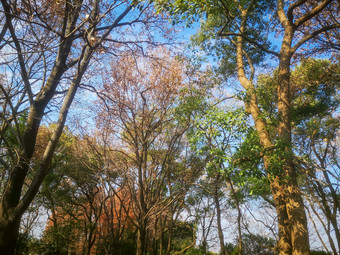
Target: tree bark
218,215
170,233
141,241
292,221
239,215
297,219
161,233
9,231
13,204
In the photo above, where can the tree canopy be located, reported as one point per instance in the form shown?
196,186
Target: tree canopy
118,138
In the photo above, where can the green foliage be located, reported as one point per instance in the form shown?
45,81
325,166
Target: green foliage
182,235
219,23
314,86
187,11
194,98
248,154
314,109
59,239
198,251
14,131
27,244
251,244
125,246
257,244
232,148
216,132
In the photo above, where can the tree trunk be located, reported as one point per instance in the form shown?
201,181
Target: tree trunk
161,243
284,244
218,215
155,238
292,221
297,219
9,231
331,217
13,202
170,232
141,239
239,215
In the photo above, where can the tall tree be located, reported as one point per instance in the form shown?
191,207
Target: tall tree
315,133
87,213
218,134
241,30
46,49
140,95
314,125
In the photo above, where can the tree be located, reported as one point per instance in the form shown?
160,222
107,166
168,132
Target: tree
314,84
254,244
87,213
304,28
140,95
219,134
315,130
47,47
182,175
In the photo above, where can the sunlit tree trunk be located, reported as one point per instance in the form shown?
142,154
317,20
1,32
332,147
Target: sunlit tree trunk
297,219
292,221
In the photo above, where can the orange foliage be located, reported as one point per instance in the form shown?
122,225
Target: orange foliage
114,215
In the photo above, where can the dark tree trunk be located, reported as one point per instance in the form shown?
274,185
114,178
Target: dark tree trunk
141,241
170,233
8,235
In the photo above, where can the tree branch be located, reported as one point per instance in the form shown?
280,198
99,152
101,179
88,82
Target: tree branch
252,42
292,7
312,13
46,159
23,72
312,35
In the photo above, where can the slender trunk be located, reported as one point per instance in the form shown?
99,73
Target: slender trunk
332,217
139,250
90,241
161,231
329,215
239,230
154,238
325,211
218,215
55,226
239,214
170,232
